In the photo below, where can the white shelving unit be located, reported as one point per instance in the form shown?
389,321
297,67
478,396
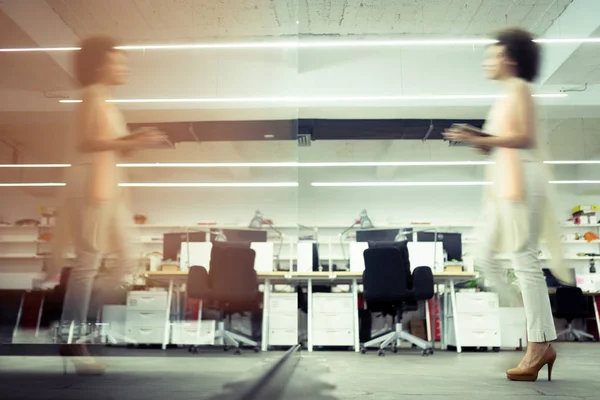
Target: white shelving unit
21,250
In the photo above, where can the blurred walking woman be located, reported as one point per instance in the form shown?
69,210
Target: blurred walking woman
94,212
517,211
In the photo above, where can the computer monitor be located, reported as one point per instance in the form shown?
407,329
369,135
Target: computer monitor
377,235
242,235
172,242
452,242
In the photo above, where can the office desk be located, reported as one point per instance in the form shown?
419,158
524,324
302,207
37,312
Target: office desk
353,278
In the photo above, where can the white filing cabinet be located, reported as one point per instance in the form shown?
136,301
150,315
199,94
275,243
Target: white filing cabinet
513,327
146,316
479,320
283,319
332,319
114,317
193,332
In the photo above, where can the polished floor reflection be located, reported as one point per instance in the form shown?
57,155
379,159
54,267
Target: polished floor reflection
152,374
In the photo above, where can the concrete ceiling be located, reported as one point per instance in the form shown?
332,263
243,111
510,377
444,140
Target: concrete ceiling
29,82
183,20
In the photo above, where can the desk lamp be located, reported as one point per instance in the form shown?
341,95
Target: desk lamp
219,236
400,237
314,236
364,222
257,222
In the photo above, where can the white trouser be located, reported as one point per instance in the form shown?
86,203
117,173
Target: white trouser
502,222
96,228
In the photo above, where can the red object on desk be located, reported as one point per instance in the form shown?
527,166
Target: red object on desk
434,311
191,309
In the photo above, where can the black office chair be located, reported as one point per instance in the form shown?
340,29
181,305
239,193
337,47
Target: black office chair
231,287
390,288
570,303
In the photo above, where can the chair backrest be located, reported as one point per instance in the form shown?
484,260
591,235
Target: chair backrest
198,284
570,303
385,275
232,272
402,246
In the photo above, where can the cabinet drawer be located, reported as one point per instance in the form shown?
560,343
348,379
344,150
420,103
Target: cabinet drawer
333,337
283,321
489,320
479,337
192,333
145,335
332,303
283,303
146,318
147,301
283,337
333,321
476,302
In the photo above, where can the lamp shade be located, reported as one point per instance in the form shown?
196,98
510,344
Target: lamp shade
257,220
220,237
365,221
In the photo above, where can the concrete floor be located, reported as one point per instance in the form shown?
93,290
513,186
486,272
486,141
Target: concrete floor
176,374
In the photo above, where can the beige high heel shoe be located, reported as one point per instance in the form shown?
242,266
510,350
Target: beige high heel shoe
81,359
531,374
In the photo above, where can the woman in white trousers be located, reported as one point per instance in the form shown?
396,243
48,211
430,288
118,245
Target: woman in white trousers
517,210
94,215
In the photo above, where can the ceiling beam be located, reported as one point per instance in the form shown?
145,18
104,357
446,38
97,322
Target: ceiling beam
39,21
579,20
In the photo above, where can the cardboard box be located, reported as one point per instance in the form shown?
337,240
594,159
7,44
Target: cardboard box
418,328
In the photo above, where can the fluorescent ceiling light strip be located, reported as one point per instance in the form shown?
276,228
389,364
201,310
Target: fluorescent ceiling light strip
200,185
35,165
405,184
575,182
295,44
395,184
32,184
38,49
574,162
316,99
306,164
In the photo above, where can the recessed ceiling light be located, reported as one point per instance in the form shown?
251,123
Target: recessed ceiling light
269,136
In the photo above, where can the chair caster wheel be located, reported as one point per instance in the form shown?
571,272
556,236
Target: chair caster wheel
257,349
496,349
395,349
381,353
237,351
190,349
427,352
363,350
225,348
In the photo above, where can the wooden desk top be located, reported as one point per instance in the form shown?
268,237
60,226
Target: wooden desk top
308,275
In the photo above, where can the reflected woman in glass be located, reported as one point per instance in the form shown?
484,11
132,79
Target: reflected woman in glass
517,211
95,213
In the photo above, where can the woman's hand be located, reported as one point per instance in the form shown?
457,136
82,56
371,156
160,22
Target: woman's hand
485,150
458,134
146,137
